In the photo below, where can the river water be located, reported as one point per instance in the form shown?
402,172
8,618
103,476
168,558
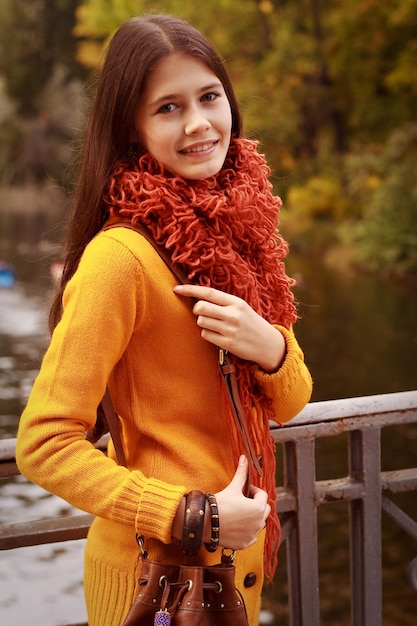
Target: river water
359,337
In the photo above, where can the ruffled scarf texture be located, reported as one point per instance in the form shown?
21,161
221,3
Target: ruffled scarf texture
222,232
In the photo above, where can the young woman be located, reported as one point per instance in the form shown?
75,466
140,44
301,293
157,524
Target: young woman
163,148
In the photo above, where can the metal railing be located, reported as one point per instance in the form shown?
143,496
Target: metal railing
366,489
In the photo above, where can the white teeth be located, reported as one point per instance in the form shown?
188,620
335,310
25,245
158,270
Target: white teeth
201,148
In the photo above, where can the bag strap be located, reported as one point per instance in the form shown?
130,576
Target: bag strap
113,423
226,366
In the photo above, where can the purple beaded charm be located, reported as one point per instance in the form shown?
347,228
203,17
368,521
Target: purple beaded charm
162,618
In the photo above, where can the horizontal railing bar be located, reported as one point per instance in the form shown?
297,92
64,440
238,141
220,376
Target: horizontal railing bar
8,469
346,489
390,408
334,427
338,489
326,491
37,532
50,531
76,527
8,465
378,405
7,450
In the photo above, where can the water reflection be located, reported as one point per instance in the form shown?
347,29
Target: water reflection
23,337
359,333
31,592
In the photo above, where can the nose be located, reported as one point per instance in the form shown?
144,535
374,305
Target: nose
196,122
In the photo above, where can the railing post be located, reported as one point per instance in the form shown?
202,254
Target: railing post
302,550
365,528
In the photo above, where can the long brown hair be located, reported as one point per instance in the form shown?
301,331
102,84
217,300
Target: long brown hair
133,51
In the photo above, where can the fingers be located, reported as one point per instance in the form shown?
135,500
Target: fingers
213,307
262,498
224,319
218,314
266,514
199,292
230,323
241,475
242,518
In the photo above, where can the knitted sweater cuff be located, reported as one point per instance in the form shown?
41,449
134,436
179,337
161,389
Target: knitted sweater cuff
291,385
157,508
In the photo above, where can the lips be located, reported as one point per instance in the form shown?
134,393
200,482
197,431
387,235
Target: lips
201,147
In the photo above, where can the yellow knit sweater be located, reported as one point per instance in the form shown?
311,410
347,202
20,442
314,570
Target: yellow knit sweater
122,324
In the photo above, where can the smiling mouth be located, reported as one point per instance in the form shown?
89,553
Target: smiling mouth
200,148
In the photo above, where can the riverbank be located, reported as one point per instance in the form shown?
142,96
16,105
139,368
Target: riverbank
36,213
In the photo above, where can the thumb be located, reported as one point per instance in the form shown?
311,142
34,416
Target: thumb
241,474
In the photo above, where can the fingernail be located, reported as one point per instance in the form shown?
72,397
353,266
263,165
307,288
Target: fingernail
242,460
177,288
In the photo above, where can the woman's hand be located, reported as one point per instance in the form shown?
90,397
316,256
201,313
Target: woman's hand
241,518
230,323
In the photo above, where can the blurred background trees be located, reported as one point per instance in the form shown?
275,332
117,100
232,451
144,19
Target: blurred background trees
328,86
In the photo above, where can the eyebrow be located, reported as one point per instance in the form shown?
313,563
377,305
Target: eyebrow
174,96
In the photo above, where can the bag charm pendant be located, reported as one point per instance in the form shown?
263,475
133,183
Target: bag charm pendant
162,618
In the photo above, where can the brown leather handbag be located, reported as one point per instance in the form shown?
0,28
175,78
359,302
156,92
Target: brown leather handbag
183,595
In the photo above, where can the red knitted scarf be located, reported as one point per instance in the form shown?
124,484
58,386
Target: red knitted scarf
222,232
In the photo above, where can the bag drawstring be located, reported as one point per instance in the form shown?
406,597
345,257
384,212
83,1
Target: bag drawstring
166,613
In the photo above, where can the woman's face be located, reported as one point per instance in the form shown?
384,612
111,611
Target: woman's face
184,118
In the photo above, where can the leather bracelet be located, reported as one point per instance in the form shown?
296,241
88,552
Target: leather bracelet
215,524
192,532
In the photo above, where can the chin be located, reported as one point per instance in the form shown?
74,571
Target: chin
204,173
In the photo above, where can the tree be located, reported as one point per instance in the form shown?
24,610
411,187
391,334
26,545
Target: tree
35,36
322,83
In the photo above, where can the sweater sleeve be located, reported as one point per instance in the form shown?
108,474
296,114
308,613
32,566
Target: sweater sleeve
291,385
103,305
